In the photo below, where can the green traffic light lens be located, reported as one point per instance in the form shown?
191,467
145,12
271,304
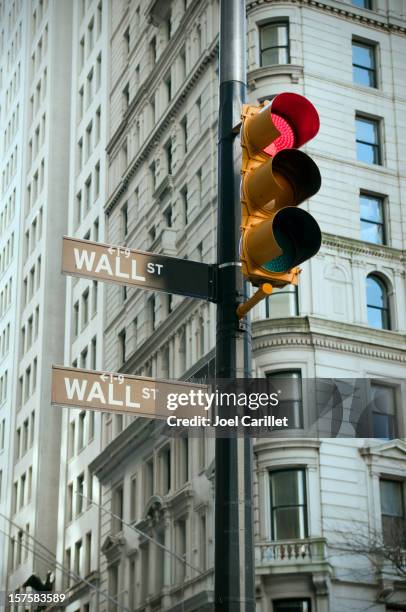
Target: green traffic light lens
283,262
298,236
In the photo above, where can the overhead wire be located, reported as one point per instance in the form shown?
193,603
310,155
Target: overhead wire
60,566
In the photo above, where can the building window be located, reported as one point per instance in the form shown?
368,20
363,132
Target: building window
383,411
121,347
167,215
80,492
78,557
133,498
180,543
148,479
168,88
113,586
274,41
282,303
372,218
165,470
377,303
184,205
126,97
127,45
76,319
152,50
88,553
151,313
168,154
124,220
202,542
364,64
393,513
85,308
183,459
288,385
81,430
368,142
288,505
118,509
291,605
183,129
363,4
72,428
145,572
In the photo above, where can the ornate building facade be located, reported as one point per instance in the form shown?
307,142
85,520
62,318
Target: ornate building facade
132,523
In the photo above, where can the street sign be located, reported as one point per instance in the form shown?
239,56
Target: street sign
142,269
122,393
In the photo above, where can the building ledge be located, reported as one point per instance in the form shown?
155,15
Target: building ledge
306,555
292,71
360,247
320,333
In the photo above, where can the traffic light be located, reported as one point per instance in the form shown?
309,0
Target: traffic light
276,235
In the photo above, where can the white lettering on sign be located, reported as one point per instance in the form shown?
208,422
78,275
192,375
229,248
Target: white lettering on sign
148,393
86,260
78,390
82,257
72,388
154,268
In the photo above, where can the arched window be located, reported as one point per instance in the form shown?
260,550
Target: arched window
377,303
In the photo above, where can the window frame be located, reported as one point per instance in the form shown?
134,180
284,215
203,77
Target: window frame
276,602
283,21
372,45
386,309
269,375
402,517
382,199
118,508
288,289
396,421
304,506
359,116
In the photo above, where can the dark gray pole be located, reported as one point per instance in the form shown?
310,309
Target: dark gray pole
234,557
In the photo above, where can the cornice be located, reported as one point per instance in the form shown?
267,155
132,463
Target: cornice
364,17
170,114
316,333
353,246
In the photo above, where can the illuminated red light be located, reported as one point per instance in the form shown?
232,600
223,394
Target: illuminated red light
286,140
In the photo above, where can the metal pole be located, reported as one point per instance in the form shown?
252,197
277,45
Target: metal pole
234,558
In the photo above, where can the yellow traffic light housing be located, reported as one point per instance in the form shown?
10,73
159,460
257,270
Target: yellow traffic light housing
276,236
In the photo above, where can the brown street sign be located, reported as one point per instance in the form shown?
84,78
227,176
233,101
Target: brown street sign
129,267
115,392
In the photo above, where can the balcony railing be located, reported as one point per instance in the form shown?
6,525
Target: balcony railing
309,550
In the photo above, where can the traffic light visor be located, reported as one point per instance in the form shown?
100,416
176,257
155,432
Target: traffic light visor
284,241
298,235
296,120
301,180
